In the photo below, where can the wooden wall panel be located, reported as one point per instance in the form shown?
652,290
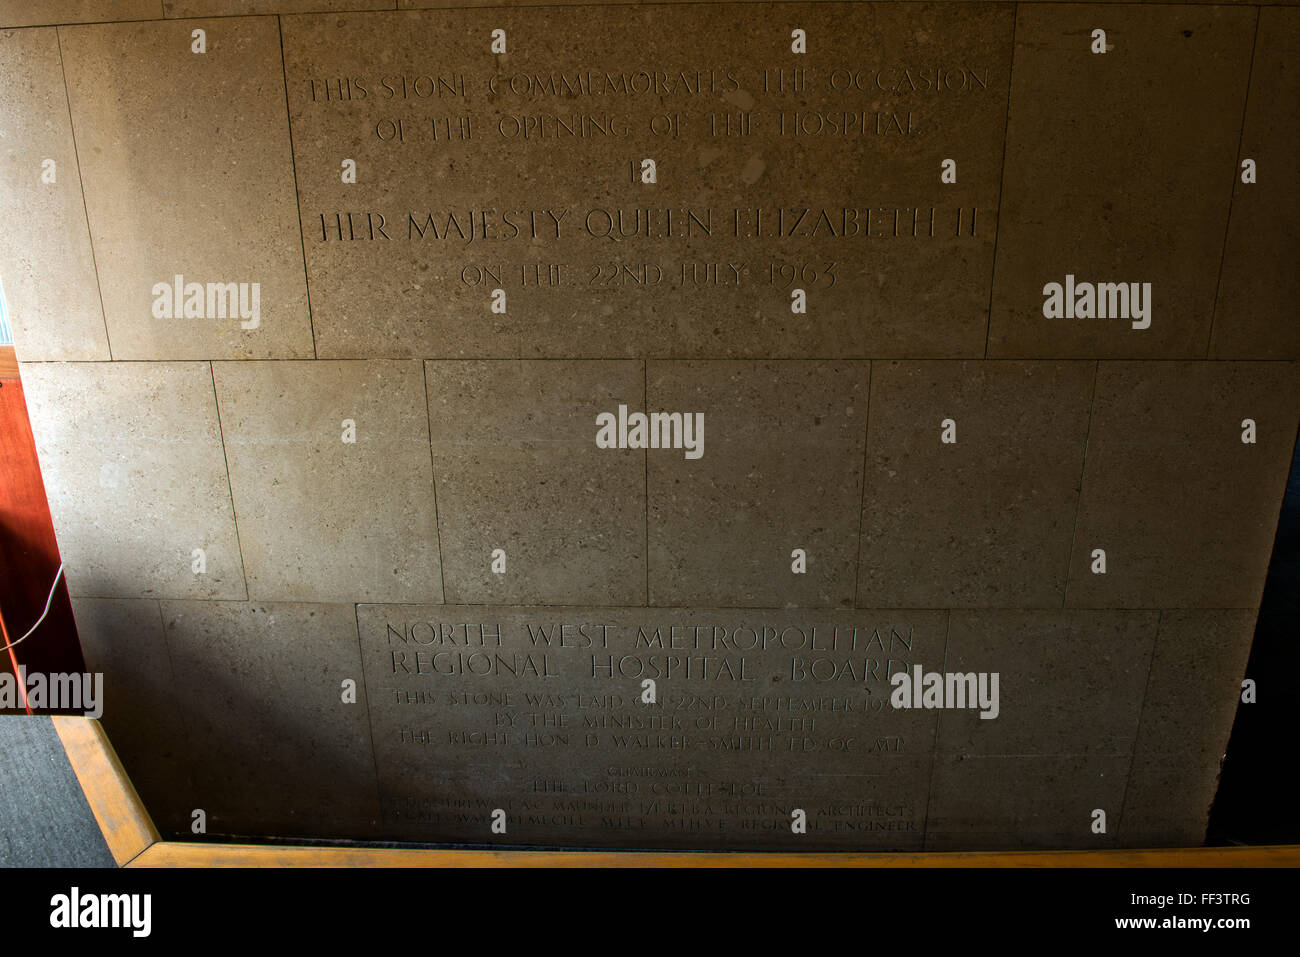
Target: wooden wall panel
29,556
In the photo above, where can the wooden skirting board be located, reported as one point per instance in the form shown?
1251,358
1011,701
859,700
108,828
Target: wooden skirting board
175,854
134,842
125,824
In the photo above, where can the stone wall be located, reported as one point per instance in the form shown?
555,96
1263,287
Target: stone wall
319,313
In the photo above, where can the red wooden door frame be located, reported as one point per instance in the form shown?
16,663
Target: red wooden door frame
29,555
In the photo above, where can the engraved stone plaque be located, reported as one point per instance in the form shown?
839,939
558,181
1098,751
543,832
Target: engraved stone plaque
542,713
527,173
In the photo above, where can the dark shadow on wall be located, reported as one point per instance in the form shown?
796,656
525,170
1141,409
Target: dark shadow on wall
1254,804
249,728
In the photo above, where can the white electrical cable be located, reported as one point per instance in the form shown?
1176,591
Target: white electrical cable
48,602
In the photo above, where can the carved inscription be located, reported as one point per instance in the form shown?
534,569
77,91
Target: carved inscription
620,726
686,179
